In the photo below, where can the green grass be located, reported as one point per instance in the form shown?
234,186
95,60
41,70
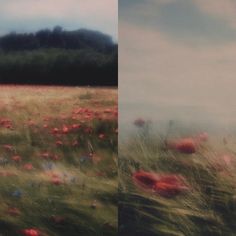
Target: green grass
86,198
208,208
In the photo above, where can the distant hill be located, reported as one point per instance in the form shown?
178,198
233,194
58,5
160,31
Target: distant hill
79,57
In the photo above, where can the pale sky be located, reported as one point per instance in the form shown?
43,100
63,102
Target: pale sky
177,59
31,15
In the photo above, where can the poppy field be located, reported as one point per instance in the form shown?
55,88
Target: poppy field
58,161
178,182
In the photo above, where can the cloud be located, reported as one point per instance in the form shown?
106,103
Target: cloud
225,9
97,14
62,8
181,20
172,79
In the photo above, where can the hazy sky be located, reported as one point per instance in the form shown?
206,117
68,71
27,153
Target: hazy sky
28,15
177,59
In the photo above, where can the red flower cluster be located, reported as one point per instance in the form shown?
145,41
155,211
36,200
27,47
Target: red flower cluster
6,123
47,155
164,185
30,232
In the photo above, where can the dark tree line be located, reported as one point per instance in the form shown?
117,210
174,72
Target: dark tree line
57,38
80,57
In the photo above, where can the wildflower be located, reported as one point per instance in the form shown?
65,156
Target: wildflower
170,185
8,147
28,166
3,161
186,145
139,122
48,166
75,126
145,179
17,193
164,185
16,158
55,131
30,232
59,143
56,181
101,136
13,211
45,155
65,129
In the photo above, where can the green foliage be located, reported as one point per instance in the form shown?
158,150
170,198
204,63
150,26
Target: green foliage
80,57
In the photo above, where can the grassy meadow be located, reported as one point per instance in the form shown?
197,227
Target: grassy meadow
58,161
177,183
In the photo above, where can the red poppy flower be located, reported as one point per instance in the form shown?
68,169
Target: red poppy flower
55,130
75,126
45,155
101,136
139,122
170,185
164,185
59,143
16,158
45,126
28,166
8,147
57,181
145,179
65,129
6,123
30,232
186,145
13,211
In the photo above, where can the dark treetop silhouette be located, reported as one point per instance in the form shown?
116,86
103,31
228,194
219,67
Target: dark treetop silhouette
60,57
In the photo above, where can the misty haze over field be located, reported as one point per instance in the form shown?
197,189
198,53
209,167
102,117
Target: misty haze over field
177,61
